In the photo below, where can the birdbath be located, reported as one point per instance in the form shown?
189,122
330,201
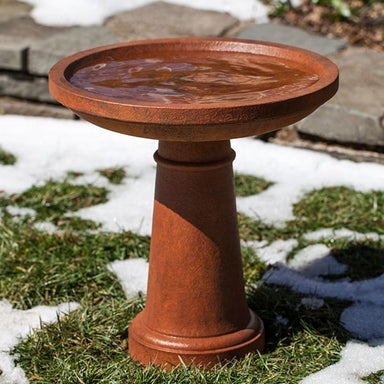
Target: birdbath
194,95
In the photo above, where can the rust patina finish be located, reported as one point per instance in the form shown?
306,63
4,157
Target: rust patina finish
194,95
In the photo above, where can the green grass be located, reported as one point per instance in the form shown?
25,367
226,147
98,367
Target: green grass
339,10
335,207
72,175
90,344
41,268
54,199
247,185
114,175
253,268
375,378
340,207
87,348
6,158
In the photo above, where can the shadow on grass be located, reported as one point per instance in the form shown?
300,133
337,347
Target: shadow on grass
363,260
286,312
284,315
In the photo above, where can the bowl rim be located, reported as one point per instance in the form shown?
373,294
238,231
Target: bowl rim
310,97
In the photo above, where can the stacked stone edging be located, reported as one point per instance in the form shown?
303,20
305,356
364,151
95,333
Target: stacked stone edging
28,50
355,116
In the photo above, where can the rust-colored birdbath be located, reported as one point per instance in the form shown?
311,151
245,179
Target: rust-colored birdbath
194,95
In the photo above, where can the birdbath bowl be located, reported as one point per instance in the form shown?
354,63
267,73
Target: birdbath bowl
194,95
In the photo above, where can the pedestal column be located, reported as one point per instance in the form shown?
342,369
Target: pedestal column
196,308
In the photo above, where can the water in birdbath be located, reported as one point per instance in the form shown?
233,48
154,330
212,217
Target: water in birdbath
197,79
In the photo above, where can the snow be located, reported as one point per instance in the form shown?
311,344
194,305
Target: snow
357,360
132,275
17,324
90,12
281,320
294,173
315,260
54,147
343,233
312,302
364,320
369,291
45,226
275,252
16,211
51,151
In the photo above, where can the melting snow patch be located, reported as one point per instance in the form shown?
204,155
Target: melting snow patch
17,324
88,12
315,260
16,211
357,360
10,372
136,196
46,226
343,233
132,275
281,320
364,320
276,252
312,302
294,173
365,291
254,244
58,153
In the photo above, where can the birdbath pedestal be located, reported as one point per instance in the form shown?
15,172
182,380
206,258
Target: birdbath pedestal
194,95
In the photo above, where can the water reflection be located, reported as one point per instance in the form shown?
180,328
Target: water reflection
195,80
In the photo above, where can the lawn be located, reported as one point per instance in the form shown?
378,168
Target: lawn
313,274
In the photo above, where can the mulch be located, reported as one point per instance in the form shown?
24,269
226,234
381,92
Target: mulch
365,26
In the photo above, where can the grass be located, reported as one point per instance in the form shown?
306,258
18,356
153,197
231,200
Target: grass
6,158
53,200
253,268
340,207
375,378
90,344
73,264
334,207
247,185
114,175
87,348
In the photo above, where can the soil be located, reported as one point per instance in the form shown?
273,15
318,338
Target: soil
365,26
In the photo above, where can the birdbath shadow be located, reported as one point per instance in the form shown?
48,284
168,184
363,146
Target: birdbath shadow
194,95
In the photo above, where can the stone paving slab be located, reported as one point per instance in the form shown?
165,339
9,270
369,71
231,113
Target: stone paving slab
160,20
11,9
16,36
356,113
156,20
26,87
26,28
12,106
45,53
31,48
339,124
13,53
361,80
284,34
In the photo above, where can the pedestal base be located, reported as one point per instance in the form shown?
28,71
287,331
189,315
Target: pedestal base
149,346
196,310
